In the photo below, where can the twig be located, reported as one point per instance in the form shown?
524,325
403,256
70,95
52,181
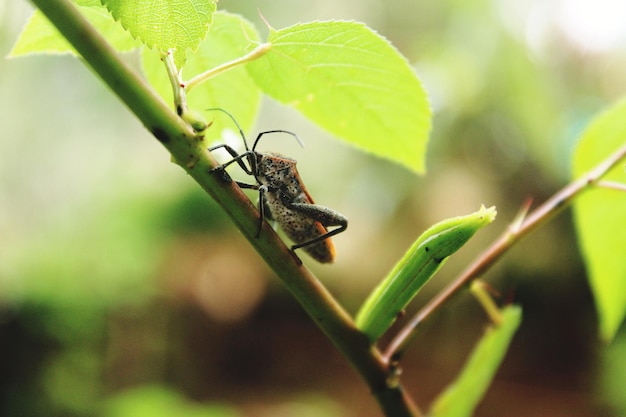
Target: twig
611,185
257,52
178,87
398,346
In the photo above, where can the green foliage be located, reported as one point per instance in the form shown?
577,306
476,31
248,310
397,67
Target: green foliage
463,395
229,38
100,260
417,266
342,75
612,368
352,82
40,36
158,401
600,215
179,25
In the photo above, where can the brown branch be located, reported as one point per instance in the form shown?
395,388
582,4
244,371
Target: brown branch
518,229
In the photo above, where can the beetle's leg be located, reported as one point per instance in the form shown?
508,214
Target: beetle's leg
264,212
324,215
262,204
262,207
247,186
236,158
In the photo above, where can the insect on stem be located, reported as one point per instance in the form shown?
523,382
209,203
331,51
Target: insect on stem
284,198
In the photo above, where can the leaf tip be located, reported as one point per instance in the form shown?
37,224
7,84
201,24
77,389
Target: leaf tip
489,214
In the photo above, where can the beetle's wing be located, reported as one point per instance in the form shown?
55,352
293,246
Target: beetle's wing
323,251
302,187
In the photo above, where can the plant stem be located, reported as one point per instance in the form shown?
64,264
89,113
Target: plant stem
398,346
257,52
480,291
178,90
188,150
611,185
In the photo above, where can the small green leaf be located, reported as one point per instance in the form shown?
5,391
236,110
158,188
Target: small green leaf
230,37
463,395
423,259
40,36
352,82
165,24
600,216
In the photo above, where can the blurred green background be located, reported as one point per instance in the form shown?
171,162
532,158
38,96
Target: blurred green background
125,291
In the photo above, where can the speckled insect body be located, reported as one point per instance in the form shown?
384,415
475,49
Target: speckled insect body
284,199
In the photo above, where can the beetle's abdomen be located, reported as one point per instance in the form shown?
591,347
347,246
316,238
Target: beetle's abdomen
301,228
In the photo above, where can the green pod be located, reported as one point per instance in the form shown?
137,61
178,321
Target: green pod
420,262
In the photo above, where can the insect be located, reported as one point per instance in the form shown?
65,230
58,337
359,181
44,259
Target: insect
284,198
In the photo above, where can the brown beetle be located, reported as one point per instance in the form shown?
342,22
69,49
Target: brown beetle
284,198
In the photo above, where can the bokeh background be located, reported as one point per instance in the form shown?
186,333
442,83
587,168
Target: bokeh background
125,291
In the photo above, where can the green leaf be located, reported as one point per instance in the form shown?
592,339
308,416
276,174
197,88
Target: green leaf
40,36
230,37
89,3
165,24
352,82
462,396
423,259
159,401
600,216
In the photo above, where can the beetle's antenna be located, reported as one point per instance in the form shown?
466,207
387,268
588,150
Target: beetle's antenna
276,131
234,121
